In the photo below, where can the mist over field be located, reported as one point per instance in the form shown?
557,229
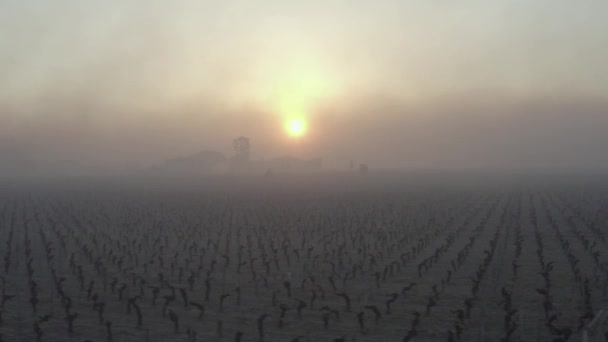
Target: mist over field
320,170
557,135
122,86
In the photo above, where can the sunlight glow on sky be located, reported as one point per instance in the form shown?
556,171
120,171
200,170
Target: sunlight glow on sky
296,127
236,51
193,73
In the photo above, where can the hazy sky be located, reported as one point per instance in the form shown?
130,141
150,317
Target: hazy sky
433,83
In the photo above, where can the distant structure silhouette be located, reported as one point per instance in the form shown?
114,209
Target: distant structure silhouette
242,151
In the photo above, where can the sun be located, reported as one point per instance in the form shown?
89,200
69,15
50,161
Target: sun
296,127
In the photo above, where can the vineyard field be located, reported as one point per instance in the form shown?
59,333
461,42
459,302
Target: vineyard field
305,258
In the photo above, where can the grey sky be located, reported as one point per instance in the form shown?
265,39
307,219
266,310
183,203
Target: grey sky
506,83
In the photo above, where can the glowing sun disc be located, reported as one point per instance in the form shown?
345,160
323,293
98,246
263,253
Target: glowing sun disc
296,127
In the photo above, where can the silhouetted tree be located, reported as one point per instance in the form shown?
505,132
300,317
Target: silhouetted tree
242,151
